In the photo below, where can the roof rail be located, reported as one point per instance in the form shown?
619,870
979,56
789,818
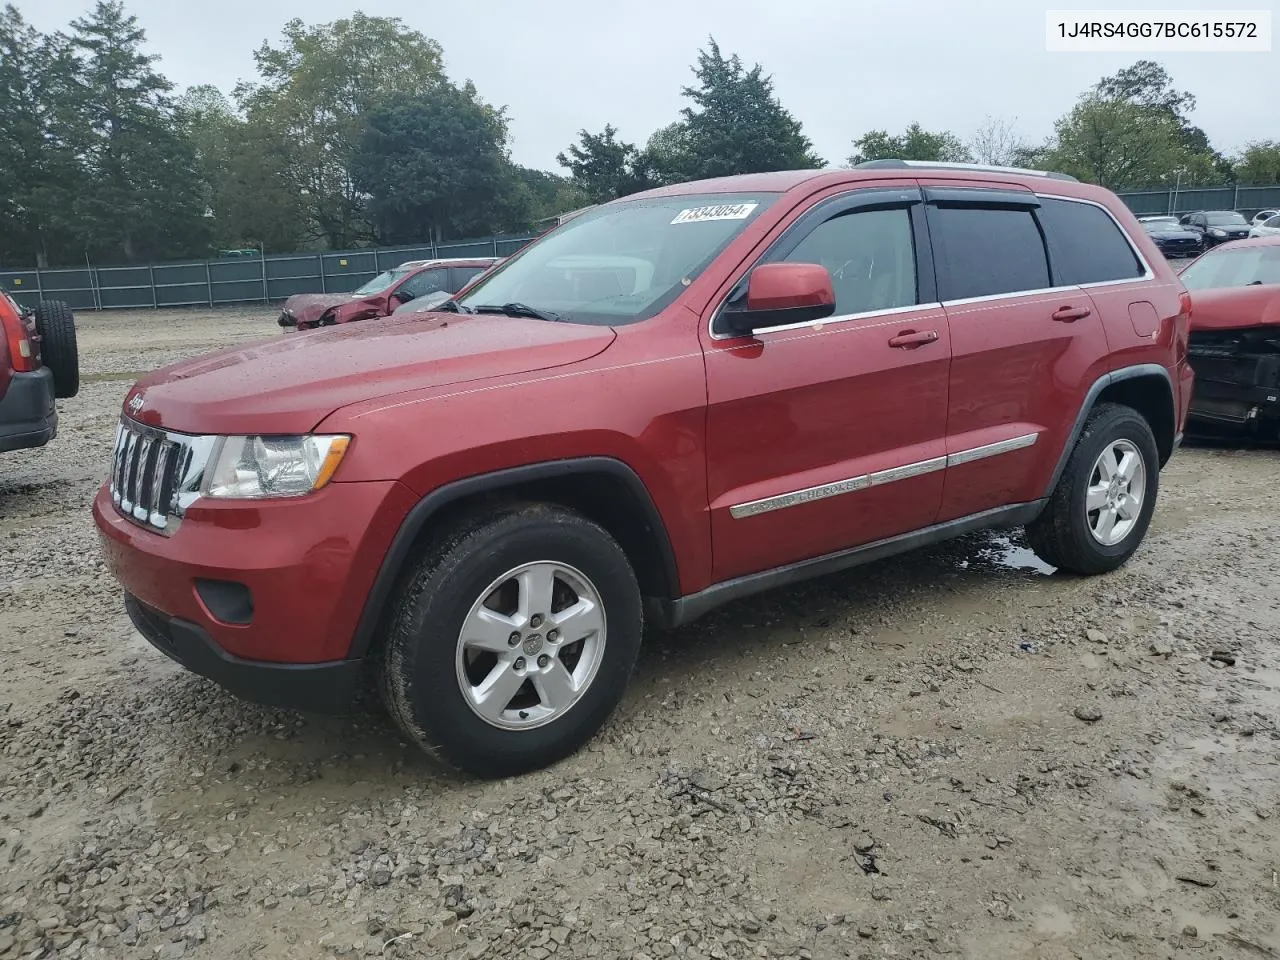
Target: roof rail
949,165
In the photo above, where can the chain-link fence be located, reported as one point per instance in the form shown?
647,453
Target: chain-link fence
231,280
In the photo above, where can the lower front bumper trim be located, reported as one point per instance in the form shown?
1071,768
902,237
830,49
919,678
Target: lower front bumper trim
329,687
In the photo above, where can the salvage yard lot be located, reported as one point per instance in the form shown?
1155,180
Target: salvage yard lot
952,752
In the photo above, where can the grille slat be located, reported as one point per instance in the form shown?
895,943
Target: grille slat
147,472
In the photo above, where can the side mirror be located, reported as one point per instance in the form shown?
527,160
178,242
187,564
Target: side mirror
782,293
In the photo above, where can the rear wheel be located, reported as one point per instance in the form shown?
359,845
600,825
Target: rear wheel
513,640
59,350
1100,510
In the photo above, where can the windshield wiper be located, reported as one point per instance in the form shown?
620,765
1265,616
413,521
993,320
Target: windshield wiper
451,306
517,310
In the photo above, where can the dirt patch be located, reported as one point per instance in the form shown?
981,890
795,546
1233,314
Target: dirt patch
956,752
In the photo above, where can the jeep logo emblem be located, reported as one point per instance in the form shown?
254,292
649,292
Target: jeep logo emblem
135,403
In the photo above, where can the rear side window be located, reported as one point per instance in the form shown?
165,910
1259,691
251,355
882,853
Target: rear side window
1087,245
984,251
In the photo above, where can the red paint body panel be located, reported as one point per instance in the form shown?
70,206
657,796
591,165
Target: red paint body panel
1236,308
309,563
706,423
289,384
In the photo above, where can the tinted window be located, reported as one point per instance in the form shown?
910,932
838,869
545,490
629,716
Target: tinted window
428,281
980,252
1088,246
1226,218
871,258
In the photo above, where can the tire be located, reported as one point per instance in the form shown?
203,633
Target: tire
430,679
58,348
1064,534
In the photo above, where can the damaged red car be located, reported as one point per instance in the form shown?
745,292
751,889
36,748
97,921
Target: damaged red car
381,295
1235,338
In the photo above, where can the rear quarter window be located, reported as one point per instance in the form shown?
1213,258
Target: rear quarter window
1086,245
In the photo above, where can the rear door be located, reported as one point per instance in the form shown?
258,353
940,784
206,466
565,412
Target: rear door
828,435
1022,344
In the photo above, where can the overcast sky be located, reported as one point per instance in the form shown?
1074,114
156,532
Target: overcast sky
841,66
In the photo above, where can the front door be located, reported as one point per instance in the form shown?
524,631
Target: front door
828,435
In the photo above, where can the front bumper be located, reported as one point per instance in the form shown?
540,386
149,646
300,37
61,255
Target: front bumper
305,567
313,687
28,415
1238,392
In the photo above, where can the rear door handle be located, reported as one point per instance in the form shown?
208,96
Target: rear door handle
1070,314
911,338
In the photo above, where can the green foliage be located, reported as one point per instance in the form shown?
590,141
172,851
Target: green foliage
1115,143
1259,163
435,164
735,125
313,98
915,143
604,167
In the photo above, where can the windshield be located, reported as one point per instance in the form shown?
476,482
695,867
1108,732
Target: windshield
622,262
1238,267
379,283
1226,219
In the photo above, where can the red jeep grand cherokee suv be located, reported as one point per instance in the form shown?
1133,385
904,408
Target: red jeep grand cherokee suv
670,401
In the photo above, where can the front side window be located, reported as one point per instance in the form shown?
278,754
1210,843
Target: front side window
1274,222
1088,245
870,256
621,262
1238,267
380,283
985,251
428,281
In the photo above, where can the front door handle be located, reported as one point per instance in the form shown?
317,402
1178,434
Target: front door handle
1070,314
911,338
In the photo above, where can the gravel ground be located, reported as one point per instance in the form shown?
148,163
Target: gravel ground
954,752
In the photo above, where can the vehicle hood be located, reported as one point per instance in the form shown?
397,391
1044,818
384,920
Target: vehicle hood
1236,308
307,307
1174,233
1230,227
289,384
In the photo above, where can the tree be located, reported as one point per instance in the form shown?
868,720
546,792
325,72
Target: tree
604,167
736,124
145,196
997,143
1259,164
665,154
549,194
314,94
915,143
436,164
1147,84
1115,143
39,173
239,163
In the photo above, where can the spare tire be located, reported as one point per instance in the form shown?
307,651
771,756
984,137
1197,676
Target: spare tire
58,349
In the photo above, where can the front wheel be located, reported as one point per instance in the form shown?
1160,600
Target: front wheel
1099,512
513,640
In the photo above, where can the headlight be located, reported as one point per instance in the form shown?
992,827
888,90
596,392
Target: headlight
256,467
1218,233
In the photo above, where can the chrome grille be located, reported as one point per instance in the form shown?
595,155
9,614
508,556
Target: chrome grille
156,474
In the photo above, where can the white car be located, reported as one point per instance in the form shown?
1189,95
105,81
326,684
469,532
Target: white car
1266,228
1262,215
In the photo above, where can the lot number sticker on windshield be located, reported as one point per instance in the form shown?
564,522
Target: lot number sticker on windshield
725,211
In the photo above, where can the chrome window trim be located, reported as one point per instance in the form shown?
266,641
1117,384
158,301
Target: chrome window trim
891,475
818,324
1146,275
